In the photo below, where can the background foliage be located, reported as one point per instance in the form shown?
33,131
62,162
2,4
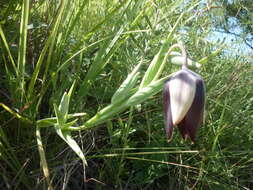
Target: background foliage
47,45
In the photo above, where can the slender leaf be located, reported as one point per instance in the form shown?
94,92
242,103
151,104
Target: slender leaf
125,88
22,45
49,45
8,50
66,136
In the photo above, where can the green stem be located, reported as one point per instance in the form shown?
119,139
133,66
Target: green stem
22,46
43,159
113,109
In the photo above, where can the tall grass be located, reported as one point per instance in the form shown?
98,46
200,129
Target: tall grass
81,80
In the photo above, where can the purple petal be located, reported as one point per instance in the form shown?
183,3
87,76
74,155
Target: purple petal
167,110
189,125
182,127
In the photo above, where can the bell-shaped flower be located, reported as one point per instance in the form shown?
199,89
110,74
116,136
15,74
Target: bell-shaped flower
183,100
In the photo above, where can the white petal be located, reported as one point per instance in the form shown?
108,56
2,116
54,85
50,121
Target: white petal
182,91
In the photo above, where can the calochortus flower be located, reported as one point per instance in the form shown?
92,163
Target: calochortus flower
183,101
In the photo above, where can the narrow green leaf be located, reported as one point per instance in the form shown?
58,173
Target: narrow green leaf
69,124
59,116
22,45
107,18
108,112
66,63
66,136
124,90
90,33
73,22
101,60
64,107
155,68
8,50
71,89
49,44
213,54
47,122
144,93
15,114
64,104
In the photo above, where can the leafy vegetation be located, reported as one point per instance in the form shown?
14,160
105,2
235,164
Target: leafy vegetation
81,103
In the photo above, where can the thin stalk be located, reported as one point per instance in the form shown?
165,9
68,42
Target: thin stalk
155,69
8,50
183,51
15,114
43,160
113,109
22,46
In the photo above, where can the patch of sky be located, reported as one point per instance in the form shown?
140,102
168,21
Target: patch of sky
237,43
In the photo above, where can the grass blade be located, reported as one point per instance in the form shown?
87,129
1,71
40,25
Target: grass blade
22,45
101,60
125,88
8,50
49,45
155,69
66,136
43,160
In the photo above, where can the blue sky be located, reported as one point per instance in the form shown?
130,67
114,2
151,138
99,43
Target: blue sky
235,44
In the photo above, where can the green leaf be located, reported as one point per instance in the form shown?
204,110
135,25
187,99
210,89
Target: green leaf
69,124
8,50
213,54
124,90
156,67
59,116
101,60
64,107
144,93
48,47
47,122
66,136
71,90
22,46
108,112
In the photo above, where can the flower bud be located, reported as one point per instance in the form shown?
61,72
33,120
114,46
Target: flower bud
183,100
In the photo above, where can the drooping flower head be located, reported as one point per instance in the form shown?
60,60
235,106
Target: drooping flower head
183,101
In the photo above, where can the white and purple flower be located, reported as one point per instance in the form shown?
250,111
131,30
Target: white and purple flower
183,101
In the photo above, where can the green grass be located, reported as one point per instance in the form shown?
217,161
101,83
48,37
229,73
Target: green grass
61,63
